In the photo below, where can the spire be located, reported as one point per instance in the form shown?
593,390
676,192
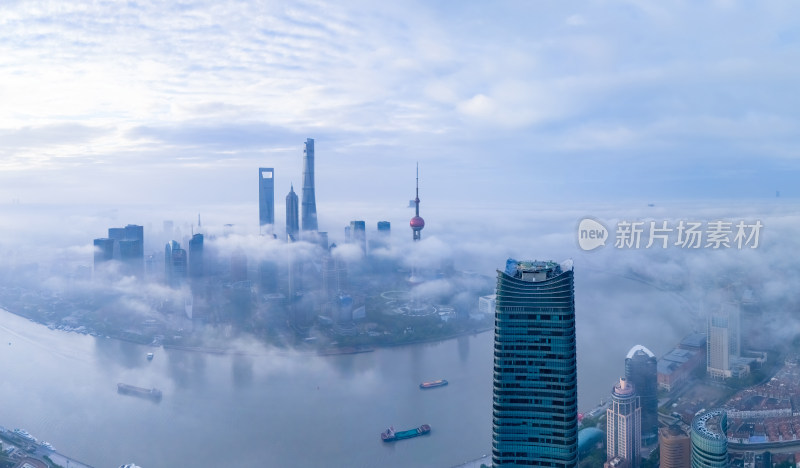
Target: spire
416,200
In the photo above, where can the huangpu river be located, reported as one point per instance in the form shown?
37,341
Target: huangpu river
284,409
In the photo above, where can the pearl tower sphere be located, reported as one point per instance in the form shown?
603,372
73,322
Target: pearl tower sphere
417,223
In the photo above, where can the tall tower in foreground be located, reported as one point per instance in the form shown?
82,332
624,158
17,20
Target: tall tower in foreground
535,395
624,424
266,197
309,205
417,223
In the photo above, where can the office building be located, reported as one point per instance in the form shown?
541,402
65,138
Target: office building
624,425
309,208
266,199
724,341
196,256
417,223
535,412
292,216
175,262
382,237
709,442
641,369
103,251
675,447
125,244
358,234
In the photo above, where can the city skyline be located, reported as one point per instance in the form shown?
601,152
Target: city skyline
144,114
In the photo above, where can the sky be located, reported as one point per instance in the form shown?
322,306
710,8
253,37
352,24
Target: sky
178,103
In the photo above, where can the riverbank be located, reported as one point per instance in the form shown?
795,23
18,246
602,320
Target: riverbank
329,350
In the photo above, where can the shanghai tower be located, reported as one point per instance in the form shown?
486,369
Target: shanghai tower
309,205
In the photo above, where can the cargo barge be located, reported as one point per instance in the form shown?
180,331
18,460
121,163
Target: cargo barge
150,393
390,435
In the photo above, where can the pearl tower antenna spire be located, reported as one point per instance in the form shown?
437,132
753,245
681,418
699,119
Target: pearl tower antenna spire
417,223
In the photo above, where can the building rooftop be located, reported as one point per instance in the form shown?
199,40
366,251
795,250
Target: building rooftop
694,340
532,270
624,389
711,425
639,348
673,360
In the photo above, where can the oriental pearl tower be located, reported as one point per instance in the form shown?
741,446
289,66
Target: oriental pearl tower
417,223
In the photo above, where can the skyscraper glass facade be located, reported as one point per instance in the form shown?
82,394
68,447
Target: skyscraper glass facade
266,196
535,412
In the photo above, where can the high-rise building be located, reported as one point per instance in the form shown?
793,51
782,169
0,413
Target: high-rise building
709,441
624,424
196,256
641,369
127,246
292,215
266,198
309,208
724,341
103,251
535,395
358,234
675,447
174,264
381,239
417,223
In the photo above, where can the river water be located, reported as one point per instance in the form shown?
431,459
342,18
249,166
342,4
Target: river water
282,409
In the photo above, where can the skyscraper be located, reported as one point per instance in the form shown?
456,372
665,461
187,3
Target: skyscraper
724,341
417,223
174,264
358,234
384,228
127,246
709,442
292,216
309,218
675,447
641,369
196,256
103,251
535,412
624,424
266,197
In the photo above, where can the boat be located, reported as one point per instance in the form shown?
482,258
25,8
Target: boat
48,446
333,351
152,393
391,435
25,435
433,384
149,356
